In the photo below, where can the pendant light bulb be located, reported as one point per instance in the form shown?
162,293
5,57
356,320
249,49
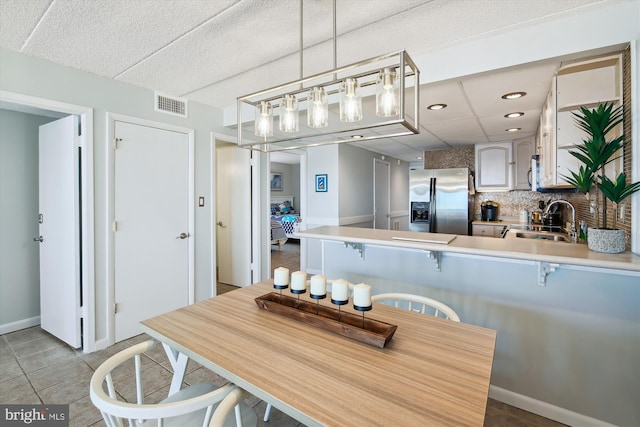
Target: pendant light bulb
387,93
264,120
350,101
289,114
318,108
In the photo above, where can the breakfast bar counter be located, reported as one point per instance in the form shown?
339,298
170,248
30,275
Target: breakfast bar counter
522,249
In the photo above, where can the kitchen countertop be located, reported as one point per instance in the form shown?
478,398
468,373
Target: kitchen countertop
525,249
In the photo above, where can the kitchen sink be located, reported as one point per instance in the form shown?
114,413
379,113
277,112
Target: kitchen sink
537,235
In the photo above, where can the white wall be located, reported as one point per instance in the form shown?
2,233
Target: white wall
19,254
40,78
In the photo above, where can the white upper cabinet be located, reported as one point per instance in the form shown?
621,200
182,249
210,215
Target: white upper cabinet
493,166
523,149
583,84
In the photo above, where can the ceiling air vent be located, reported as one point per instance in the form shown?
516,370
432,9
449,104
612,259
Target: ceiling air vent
171,105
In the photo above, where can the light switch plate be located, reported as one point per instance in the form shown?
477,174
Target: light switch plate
201,201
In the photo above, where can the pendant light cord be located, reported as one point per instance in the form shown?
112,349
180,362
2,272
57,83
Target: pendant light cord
335,38
301,43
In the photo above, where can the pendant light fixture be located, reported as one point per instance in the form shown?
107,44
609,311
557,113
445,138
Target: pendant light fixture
289,114
317,108
264,120
338,104
350,101
387,93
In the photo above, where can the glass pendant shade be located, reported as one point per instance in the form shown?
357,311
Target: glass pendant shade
289,114
350,101
264,120
387,93
317,108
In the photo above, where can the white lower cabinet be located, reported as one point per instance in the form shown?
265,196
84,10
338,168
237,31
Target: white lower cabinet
487,230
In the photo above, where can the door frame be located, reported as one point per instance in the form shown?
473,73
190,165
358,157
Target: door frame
87,204
302,210
112,118
375,191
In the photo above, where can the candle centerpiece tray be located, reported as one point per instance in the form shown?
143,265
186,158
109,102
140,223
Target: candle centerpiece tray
350,325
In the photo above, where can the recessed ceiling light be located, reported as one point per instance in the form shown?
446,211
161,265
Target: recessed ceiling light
513,129
418,158
513,95
436,106
514,115
357,136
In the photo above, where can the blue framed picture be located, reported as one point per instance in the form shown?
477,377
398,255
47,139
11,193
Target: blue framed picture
321,183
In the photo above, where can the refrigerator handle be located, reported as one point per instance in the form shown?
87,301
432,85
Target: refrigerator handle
432,205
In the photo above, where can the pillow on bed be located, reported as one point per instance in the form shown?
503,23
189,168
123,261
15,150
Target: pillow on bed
283,207
275,208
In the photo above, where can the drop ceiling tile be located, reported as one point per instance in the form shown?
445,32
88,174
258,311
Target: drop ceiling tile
18,18
106,38
496,125
484,92
449,93
463,131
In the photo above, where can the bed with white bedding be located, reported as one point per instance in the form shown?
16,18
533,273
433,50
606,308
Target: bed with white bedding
284,219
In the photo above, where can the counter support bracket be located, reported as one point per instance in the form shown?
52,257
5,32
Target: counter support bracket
356,246
436,256
544,268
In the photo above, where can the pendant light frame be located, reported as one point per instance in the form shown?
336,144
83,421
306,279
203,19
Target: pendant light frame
371,127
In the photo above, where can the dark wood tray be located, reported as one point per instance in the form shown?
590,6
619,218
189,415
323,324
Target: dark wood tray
375,333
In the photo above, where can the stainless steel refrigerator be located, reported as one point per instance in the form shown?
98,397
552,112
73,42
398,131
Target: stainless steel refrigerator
441,200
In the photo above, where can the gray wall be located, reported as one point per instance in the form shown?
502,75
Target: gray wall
40,78
19,254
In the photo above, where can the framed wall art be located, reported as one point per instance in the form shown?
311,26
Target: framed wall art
321,183
276,181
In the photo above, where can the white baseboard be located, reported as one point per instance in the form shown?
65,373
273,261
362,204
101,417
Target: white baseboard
544,409
20,324
102,344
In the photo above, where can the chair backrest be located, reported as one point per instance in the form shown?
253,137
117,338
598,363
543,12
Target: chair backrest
194,405
418,304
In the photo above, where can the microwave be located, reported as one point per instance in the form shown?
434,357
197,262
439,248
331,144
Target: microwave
534,179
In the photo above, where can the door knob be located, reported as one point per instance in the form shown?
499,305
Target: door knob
182,236
221,224
38,239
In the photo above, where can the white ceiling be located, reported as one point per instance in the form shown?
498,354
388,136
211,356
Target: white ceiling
212,51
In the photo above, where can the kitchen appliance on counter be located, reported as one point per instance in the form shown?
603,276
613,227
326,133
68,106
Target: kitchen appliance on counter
489,211
441,200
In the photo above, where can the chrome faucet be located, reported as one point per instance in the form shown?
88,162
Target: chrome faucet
573,233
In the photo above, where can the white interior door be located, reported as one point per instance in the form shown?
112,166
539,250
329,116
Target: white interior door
233,215
381,193
59,219
152,261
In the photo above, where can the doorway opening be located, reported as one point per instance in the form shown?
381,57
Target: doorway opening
85,321
286,205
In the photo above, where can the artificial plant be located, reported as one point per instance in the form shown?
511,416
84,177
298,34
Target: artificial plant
596,152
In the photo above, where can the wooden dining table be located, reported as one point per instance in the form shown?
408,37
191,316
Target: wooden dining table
432,372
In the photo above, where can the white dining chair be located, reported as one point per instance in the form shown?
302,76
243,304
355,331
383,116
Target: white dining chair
196,405
418,303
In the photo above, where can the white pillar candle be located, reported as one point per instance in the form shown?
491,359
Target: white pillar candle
318,285
340,290
281,276
298,281
362,295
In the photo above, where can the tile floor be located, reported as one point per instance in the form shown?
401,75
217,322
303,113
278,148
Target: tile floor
35,367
